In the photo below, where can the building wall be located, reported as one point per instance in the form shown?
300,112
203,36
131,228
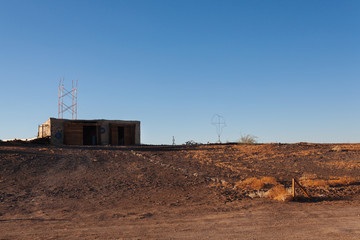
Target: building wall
135,130
57,131
104,133
44,129
55,128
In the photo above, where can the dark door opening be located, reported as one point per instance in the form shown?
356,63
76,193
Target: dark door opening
121,136
89,135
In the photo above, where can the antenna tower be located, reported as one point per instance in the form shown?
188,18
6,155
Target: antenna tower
68,95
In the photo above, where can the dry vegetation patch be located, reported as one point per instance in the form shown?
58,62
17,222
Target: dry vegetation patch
255,183
267,187
313,181
279,193
342,181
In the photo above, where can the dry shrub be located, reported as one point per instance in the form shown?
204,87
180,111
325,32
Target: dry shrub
255,183
279,193
337,181
314,183
342,181
336,149
311,180
249,183
248,139
269,180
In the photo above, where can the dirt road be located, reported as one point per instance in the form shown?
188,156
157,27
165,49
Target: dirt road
247,220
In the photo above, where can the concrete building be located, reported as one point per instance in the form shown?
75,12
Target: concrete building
90,132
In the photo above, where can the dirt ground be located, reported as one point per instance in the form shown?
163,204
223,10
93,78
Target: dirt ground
177,192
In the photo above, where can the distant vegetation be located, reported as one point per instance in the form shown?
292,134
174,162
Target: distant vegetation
248,139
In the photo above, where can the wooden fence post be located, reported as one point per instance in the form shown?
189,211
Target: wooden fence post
302,189
293,187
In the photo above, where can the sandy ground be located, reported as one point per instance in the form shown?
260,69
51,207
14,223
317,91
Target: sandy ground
177,192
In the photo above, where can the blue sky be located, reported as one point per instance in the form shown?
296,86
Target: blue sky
284,71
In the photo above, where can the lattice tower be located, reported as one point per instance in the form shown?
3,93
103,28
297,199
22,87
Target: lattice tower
67,100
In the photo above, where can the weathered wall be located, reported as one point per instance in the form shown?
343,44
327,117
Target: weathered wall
57,131
55,128
44,130
137,133
104,132
124,123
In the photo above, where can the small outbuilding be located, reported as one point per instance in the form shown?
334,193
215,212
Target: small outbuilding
90,132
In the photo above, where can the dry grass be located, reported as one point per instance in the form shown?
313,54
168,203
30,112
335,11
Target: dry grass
255,183
269,180
313,181
251,158
341,181
279,193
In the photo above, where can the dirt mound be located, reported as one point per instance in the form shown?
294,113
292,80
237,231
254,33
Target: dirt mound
104,183
34,178
33,175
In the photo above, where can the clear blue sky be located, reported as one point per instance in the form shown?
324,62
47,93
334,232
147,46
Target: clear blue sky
284,71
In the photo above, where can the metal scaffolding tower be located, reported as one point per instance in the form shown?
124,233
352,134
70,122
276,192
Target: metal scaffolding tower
68,94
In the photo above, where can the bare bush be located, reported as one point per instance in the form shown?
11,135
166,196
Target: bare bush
191,143
248,139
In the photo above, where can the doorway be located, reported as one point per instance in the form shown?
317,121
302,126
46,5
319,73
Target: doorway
121,136
90,135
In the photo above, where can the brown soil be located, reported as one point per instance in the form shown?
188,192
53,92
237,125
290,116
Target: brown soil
176,192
